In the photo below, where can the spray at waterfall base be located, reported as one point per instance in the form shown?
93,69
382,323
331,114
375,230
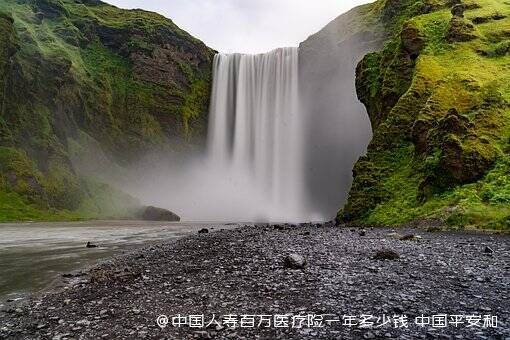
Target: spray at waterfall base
265,148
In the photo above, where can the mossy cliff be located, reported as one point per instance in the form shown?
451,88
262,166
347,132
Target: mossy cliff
79,72
438,97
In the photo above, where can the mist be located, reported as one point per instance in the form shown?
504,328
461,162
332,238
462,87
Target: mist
338,127
280,161
252,170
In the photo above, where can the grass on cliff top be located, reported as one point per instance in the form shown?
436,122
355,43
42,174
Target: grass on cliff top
95,63
114,17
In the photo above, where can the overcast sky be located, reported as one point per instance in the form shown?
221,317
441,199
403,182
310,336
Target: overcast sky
247,26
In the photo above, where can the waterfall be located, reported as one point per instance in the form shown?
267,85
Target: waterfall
255,131
279,149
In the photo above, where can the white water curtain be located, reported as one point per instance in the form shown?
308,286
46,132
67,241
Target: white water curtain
255,130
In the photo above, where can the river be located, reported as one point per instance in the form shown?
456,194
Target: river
32,255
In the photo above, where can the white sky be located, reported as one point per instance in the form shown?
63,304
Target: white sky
247,26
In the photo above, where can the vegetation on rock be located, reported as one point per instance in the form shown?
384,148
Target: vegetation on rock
131,81
438,97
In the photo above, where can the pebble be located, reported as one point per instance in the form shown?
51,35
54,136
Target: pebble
241,272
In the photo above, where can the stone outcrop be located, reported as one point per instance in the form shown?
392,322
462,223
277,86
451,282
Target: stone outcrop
158,214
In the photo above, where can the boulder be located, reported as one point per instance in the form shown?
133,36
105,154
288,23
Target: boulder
458,10
386,254
295,261
90,245
464,162
158,214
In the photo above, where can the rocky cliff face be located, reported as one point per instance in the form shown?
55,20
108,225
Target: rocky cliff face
337,126
438,100
80,73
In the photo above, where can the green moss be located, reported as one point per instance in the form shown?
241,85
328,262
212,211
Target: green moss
195,103
14,208
440,122
69,67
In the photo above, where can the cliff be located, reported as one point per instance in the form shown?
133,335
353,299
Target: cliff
438,97
81,75
337,126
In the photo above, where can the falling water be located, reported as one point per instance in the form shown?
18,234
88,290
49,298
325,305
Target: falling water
280,148
255,130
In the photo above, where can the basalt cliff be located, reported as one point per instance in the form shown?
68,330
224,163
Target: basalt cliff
85,82
438,96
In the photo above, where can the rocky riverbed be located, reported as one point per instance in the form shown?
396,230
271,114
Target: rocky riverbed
306,282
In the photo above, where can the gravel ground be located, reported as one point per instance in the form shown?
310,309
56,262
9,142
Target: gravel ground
246,272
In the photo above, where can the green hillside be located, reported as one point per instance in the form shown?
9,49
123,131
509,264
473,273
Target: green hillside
80,72
438,96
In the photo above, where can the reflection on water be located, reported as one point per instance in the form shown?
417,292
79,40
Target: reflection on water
33,254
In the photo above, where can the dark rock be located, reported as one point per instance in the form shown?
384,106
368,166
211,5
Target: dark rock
409,237
458,10
369,335
430,6
488,250
412,40
73,275
421,129
498,16
158,214
455,123
465,162
386,254
331,224
461,30
12,178
451,3
480,20
278,227
295,261
49,8
203,231
362,233
90,245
